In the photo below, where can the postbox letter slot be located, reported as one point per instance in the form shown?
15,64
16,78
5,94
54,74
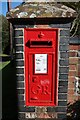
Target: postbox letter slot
41,43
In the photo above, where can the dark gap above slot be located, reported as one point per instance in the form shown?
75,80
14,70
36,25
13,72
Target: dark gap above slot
41,43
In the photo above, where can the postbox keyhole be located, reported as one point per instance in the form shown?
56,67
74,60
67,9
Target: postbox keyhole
34,79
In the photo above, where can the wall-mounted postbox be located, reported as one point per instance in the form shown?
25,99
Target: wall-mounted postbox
40,66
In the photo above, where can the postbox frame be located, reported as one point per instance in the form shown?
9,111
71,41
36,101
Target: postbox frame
54,103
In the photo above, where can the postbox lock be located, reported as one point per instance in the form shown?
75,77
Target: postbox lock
40,35
34,79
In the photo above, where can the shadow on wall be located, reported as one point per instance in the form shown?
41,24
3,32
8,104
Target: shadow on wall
74,111
9,96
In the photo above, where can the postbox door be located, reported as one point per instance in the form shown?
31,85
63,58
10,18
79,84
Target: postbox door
40,78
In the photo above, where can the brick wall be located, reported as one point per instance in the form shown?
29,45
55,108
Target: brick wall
59,111
74,69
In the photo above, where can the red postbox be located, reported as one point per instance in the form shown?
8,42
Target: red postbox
40,66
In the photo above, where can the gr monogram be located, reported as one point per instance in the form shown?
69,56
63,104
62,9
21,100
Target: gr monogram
40,89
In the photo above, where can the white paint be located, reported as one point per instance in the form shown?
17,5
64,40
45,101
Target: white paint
30,115
40,63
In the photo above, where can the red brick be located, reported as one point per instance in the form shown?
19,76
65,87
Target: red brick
78,73
72,73
73,47
72,67
79,47
71,78
78,67
73,54
47,115
73,60
43,115
79,61
78,70
78,97
72,98
71,84
71,91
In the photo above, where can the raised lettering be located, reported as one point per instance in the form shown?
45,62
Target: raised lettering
45,90
36,89
40,89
